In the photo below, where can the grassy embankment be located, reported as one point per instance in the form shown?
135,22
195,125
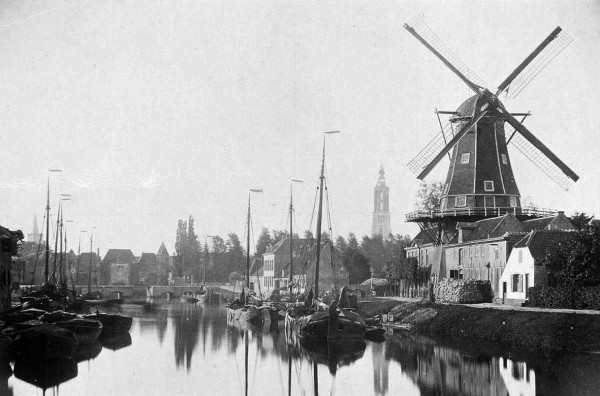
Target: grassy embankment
517,331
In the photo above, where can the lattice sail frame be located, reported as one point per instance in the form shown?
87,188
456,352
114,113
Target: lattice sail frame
540,62
431,149
419,25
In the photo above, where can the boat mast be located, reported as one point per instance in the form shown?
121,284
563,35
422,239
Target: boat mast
248,245
319,215
61,275
248,238
290,281
47,233
56,244
90,270
291,278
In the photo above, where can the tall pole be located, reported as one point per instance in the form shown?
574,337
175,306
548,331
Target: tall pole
61,275
291,277
56,243
248,245
248,238
47,233
46,268
90,270
319,217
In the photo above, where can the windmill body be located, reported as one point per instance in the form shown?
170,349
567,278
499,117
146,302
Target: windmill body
480,175
480,182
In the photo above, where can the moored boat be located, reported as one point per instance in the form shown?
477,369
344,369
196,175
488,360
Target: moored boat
86,330
111,323
38,340
314,321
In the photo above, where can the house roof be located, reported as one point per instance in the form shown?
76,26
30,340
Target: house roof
84,258
162,251
487,228
148,259
283,246
308,253
256,267
119,255
558,222
538,241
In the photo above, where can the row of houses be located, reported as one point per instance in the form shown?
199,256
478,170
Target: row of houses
272,271
503,250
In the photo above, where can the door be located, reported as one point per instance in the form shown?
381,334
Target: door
526,286
503,292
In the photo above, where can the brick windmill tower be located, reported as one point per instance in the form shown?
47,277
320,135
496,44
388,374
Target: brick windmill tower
480,182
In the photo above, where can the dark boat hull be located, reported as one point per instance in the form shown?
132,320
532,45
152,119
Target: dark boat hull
45,341
248,313
339,325
45,373
111,323
86,330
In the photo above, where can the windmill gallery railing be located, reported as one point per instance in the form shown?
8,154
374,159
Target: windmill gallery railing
483,212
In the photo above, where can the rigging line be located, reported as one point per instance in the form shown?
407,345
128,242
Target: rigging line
328,203
312,216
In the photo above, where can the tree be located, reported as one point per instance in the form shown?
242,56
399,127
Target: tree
352,241
308,235
181,242
357,266
341,244
236,256
193,254
429,196
580,220
264,240
373,250
575,262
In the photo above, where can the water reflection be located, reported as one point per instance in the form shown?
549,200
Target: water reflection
237,358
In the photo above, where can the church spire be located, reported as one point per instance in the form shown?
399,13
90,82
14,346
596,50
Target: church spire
381,207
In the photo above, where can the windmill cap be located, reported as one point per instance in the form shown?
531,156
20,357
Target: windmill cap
467,108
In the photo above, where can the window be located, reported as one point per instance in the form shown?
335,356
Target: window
443,204
494,252
460,201
513,202
517,283
504,159
488,185
520,256
464,159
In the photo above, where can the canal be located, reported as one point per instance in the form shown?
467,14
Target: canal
183,349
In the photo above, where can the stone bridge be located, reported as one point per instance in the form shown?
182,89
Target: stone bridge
141,291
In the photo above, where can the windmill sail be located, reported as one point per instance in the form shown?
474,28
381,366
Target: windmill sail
540,160
418,25
431,149
551,47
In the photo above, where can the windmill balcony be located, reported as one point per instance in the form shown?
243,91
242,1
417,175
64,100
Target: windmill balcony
521,212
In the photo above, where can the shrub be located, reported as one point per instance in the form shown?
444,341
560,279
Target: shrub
565,297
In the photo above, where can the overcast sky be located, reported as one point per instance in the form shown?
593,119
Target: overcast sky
155,110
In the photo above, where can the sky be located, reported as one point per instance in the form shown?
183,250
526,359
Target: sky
157,110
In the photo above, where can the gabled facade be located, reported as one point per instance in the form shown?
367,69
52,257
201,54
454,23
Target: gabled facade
275,259
332,273
524,268
147,268
119,267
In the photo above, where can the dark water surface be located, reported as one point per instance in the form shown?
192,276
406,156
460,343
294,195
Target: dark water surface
182,349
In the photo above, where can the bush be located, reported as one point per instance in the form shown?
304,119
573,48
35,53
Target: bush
565,297
460,291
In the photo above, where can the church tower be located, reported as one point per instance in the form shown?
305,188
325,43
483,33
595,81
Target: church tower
381,209
35,235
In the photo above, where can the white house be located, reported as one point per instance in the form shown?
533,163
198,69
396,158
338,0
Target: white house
524,268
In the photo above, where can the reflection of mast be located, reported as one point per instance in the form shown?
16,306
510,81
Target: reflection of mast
246,361
380,369
289,371
316,377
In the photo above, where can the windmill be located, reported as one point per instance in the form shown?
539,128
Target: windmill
480,181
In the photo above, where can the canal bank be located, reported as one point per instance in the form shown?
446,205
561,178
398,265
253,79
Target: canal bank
517,331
